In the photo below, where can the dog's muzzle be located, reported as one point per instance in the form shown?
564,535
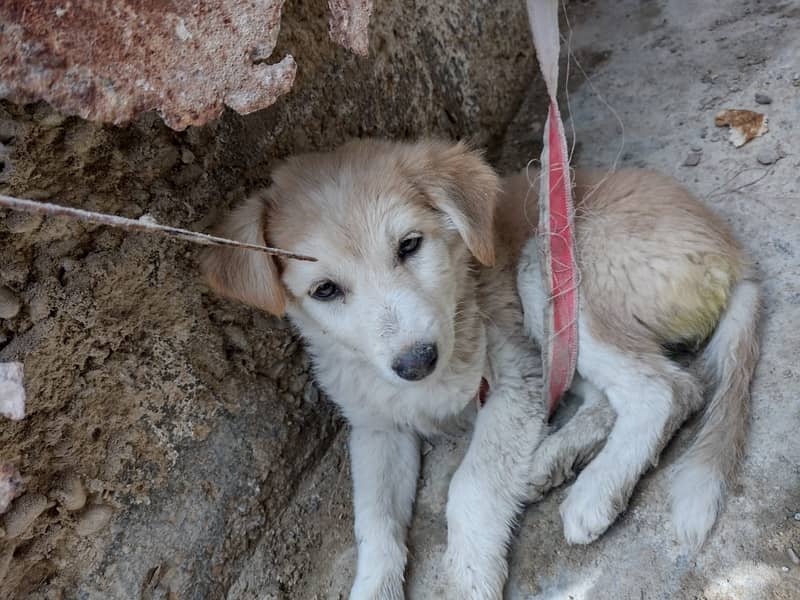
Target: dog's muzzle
416,362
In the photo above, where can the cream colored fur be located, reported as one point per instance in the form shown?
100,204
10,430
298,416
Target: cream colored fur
462,291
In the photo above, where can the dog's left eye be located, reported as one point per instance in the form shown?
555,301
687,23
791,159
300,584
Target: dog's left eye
409,246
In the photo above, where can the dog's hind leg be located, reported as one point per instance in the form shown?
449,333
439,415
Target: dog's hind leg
568,449
652,397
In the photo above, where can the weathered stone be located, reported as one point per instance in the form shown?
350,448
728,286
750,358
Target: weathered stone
763,99
93,519
349,22
191,416
9,304
184,59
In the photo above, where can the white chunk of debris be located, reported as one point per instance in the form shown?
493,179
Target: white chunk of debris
148,219
12,392
11,486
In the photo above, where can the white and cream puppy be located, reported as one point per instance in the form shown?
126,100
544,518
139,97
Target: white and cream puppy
412,315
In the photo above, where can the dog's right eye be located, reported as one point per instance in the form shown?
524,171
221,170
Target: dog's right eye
326,290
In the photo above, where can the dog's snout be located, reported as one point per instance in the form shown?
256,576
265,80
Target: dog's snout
416,362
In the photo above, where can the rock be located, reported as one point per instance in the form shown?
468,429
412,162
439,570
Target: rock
11,486
9,304
39,307
12,390
69,492
187,156
20,222
768,157
692,159
763,99
93,519
8,130
23,513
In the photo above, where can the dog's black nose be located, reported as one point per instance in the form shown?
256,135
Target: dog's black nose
417,362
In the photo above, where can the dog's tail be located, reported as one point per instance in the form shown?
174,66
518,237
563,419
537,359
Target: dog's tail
703,474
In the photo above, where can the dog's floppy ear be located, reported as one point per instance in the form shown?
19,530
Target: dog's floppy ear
464,187
246,275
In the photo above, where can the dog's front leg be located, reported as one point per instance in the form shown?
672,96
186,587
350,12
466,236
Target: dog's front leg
489,488
385,471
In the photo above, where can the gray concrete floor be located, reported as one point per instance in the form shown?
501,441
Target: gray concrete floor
666,67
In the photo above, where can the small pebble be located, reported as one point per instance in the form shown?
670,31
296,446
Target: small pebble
9,304
768,157
19,222
52,120
140,195
69,492
11,486
793,555
797,516
763,99
187,156
35,194
785,569
39,307
697,148
692,159
23,513
93,520
8,131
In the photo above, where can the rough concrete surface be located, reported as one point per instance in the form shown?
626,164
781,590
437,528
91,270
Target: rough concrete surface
168,432
665,67
110,61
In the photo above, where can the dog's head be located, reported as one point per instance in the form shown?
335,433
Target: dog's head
392,226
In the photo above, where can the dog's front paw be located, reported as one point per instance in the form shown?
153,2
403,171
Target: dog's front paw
475,560
587,512
375,587
472,576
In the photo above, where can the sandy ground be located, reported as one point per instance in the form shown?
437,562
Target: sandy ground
661,71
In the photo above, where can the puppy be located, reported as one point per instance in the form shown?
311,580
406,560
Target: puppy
413,316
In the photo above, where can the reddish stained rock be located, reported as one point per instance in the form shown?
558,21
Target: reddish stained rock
110,60
349,24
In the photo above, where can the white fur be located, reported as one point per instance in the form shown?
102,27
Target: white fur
696,498
699,481
490,486
385,471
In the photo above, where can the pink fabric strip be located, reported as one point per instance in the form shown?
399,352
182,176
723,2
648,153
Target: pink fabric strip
564,293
